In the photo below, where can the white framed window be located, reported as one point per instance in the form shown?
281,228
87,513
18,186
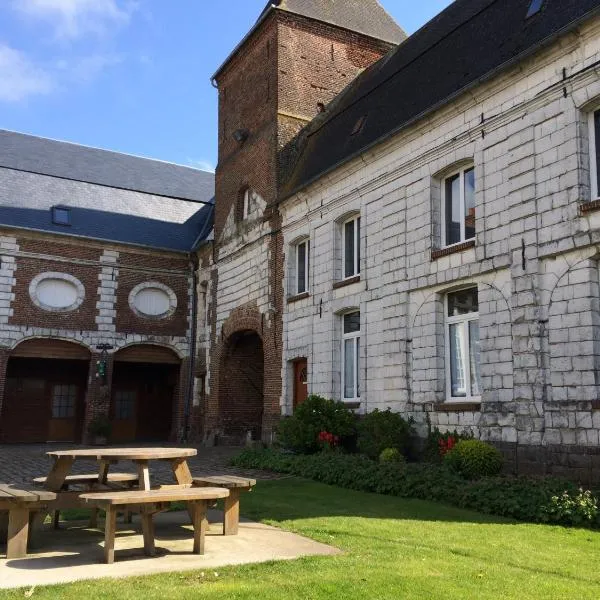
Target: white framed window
463,373
458,207
594,135
351,356
301,266
351,247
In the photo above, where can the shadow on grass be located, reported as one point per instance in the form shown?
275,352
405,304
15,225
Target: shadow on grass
297,498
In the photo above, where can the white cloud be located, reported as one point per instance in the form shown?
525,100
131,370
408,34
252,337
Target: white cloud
20,78
203,165
75,18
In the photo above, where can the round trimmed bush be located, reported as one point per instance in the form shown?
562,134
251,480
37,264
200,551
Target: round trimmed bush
381,429
474,459
391,455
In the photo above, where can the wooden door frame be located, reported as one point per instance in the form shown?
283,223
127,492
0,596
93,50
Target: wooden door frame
295,363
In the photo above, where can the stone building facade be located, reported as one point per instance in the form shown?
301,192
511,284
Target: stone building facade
97,310
284,72
453,253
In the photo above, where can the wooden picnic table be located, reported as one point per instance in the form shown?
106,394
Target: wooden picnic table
64,460
20,504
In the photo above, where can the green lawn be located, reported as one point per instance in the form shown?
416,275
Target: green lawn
393,548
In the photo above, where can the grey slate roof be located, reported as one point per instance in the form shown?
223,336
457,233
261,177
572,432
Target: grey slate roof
103,167
465,44
111,196
364,16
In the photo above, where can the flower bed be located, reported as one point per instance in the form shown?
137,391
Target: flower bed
544,500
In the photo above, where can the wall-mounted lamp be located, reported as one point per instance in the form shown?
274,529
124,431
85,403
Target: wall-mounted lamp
240,135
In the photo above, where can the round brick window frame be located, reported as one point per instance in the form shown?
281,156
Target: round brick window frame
35,282
153,285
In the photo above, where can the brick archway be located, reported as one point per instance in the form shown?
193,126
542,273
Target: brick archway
241,387
259,334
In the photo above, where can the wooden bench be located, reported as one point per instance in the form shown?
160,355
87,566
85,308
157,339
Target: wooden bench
91,481
235,485
152,501
20,504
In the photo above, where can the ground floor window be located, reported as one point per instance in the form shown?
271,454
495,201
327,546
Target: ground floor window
463,374
351,356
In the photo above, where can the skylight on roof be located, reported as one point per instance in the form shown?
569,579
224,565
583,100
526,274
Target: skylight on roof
61,215
534,8
358,126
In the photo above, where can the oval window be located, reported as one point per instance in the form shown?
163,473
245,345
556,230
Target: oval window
153,302
56,292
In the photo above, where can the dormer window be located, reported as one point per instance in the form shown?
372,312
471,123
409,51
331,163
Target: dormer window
61,215
534,8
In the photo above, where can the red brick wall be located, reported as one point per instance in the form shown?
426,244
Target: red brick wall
134,267
27,313
317,61
133,270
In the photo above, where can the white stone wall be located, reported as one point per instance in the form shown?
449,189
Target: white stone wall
535,260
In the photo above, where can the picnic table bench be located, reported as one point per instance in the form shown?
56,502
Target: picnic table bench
20,504
90,482
154,501
235,485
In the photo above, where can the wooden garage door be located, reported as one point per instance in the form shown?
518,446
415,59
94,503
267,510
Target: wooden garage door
43,400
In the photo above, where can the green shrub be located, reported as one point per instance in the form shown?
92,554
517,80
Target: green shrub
474,459
300,432
391,455
539,500
578,508
437,442
379,430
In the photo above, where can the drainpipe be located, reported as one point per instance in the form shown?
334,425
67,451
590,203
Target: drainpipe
194,333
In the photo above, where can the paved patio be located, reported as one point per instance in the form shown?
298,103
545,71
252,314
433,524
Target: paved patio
76,553
19,464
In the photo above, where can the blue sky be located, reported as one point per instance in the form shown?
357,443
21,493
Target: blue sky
130,75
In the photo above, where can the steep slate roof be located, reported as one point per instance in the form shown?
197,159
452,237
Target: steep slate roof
364,16
111,196
465,44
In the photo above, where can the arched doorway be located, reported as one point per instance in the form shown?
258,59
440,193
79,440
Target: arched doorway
242,387
44,395
145,385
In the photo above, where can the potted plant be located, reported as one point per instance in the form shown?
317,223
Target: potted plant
99,430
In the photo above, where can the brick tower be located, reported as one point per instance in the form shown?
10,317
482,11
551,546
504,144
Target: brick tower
296,59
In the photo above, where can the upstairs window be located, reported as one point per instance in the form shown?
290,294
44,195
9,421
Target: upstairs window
302,266
462,347
458,207
594,129
351,247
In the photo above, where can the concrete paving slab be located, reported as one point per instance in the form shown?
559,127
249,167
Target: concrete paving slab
75,553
